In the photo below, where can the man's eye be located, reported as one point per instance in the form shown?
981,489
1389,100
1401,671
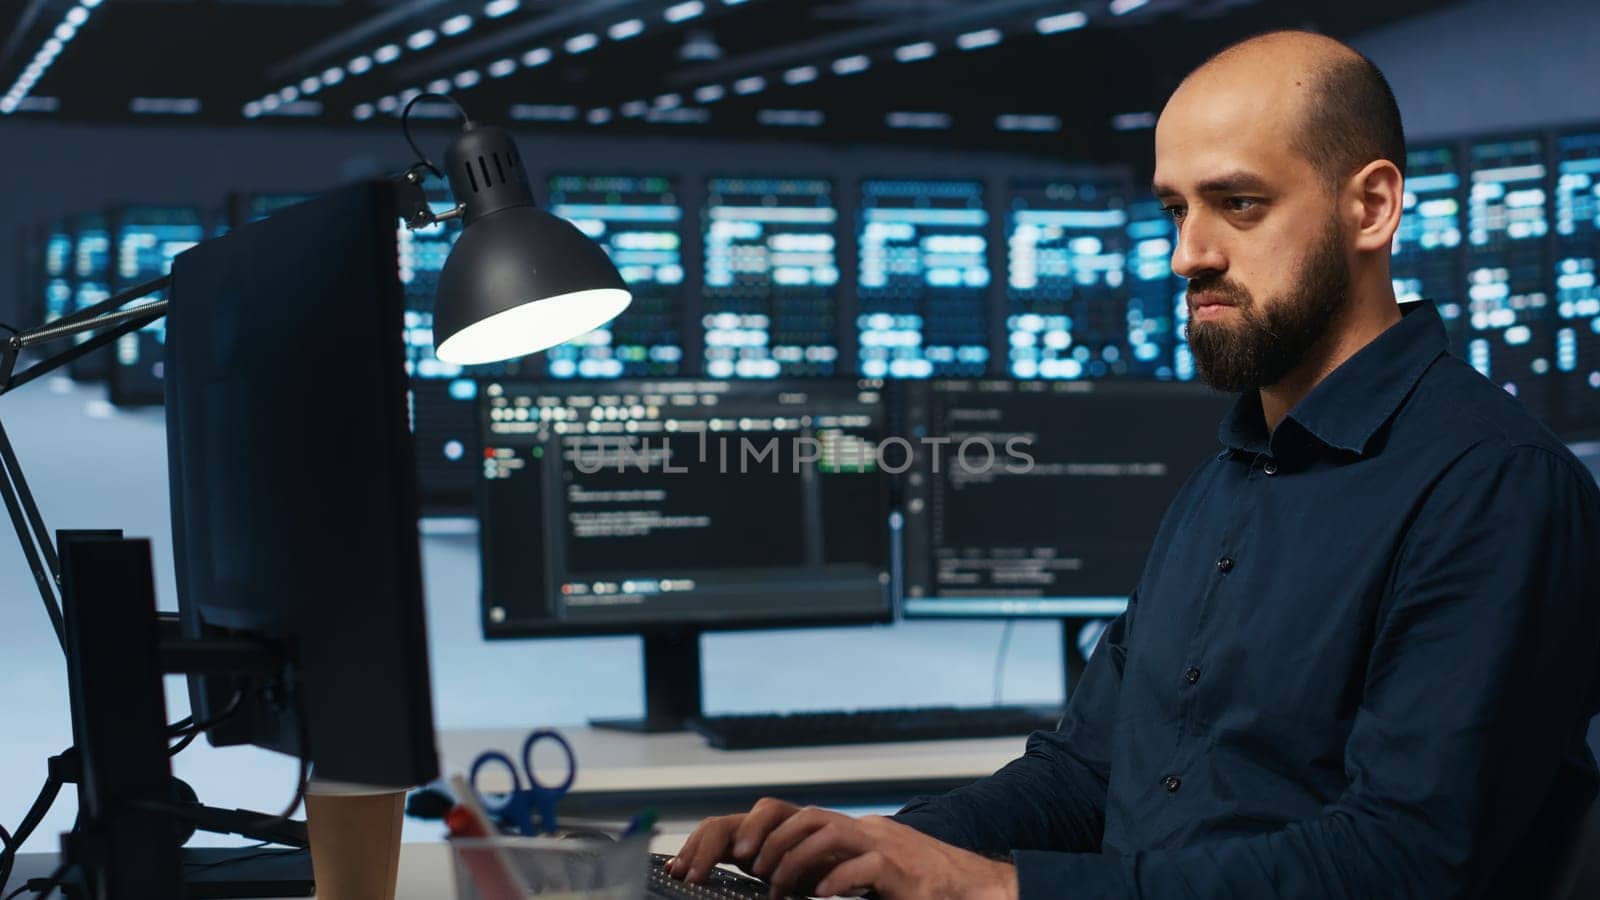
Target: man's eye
1241,204
1175,213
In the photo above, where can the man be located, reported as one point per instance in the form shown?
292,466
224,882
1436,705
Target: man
1361,657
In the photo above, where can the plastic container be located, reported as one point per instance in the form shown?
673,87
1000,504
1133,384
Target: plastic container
584,865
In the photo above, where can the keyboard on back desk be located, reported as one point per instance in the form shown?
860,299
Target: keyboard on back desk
867,726
719,885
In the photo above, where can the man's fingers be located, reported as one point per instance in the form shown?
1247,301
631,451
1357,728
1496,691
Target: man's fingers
794,829
680,862
710,846
856,876
823,850
767,814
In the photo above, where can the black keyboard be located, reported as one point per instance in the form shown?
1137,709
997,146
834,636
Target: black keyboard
719,885
874,726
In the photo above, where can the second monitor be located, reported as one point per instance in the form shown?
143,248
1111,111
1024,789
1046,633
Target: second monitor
667,508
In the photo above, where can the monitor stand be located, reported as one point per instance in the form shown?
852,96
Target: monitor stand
671,685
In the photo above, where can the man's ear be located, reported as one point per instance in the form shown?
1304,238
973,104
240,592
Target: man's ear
1375,197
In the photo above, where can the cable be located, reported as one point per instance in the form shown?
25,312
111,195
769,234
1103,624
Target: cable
305,767
1000,661
30,821
405,127
9,328
187,730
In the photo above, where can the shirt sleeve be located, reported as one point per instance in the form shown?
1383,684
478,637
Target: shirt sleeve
1054,795
1480,679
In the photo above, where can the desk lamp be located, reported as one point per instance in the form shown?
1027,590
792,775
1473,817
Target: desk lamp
518,280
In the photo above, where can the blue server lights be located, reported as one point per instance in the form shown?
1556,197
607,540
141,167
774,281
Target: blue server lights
58,262
1577,265
148,238
1068,315
1156,297
639,222
1509,338
1426,260
923,278
771,287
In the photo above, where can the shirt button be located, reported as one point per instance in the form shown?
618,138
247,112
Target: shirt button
1225,564
1191,675
1171,783
1270,468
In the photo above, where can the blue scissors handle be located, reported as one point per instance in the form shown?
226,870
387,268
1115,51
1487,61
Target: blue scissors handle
527,794
527,761
494,802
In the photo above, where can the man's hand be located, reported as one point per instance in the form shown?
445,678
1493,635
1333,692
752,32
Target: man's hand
824,853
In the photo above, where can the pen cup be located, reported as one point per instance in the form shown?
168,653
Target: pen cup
585,865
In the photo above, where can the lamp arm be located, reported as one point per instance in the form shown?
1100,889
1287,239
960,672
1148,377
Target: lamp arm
414,205
104,314
20,507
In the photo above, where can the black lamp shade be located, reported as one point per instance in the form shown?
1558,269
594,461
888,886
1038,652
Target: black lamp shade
518,281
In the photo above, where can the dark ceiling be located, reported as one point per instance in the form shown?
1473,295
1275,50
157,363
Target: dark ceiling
965,73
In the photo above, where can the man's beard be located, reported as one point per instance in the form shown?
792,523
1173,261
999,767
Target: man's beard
1269,341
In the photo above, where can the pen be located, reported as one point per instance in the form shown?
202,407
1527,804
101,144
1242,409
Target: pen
642,822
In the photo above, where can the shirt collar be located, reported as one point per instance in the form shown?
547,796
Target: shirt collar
1347,407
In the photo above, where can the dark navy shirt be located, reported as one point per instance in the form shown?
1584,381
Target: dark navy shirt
1360,662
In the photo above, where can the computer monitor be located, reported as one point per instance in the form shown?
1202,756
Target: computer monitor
639,221
1156,302
91,283
1040,499
1510,310
668,508
922,250
442,399
1577,282
771,288
1425,260
147,239
1068,310
294,498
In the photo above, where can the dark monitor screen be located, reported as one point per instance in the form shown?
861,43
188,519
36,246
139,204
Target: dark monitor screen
294,506
147,238
1425,262
771,286
91,284
1156,301
1068,314
1035,498
1577,281
639,222
922,250
1510,313
639,505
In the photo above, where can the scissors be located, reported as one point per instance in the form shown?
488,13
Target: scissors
518,806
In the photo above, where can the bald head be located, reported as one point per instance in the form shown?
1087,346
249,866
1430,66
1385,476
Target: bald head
1328,101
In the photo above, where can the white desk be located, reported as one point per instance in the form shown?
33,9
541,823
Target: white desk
683,779
425,869
680,776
